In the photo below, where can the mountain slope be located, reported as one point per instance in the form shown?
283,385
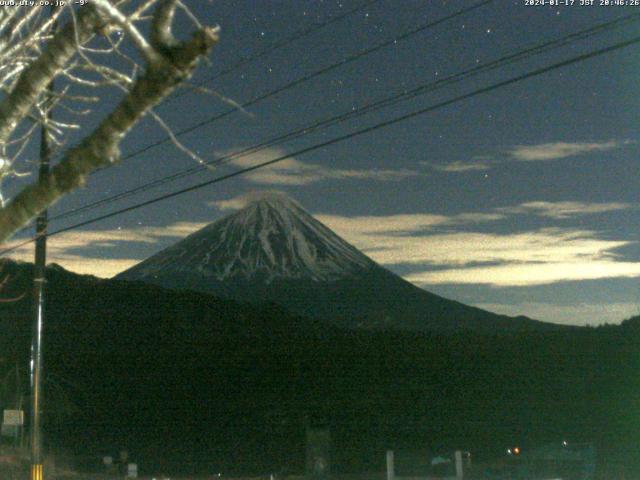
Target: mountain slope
273,250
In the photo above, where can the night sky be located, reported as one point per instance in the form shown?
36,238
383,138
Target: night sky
521,200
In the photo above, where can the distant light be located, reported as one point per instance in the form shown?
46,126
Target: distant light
508,451
564,443
516,451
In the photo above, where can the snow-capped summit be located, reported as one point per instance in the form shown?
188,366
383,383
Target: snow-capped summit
271,237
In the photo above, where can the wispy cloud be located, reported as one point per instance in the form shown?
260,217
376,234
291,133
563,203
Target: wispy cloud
527,274
563,210
295,172
459,166
97,252
242,200
231,204
557,150
528,153
401,225
536,257
400,240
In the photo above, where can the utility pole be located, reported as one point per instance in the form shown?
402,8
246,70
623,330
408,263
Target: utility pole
39,283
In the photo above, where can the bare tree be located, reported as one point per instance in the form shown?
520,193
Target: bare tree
101,44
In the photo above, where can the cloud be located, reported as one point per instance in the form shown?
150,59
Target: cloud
563,210
242,200
528,153
231,204
295,172
400,226
530,273
459,167
579,314
403,240
536,257
557,150
393,224
95,252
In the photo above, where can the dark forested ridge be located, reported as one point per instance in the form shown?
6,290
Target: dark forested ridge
186,377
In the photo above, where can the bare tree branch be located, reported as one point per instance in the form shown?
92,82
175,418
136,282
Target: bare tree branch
35,79
171,63
161,35
115,16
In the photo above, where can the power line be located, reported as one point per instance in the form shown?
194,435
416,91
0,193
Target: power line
278,45
308,77
317,73
350,114
416,113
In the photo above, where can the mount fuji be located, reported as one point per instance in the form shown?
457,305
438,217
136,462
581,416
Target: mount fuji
273,250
